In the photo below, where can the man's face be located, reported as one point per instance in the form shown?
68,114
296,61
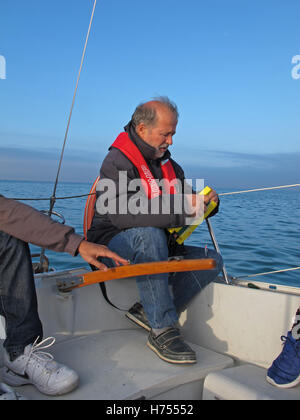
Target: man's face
161,135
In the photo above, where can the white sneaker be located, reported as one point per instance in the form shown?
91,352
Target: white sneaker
8,394
38,368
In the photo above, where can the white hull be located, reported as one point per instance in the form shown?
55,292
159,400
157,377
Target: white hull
234,329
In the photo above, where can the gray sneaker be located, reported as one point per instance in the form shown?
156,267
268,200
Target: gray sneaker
169,346
38,368
137,315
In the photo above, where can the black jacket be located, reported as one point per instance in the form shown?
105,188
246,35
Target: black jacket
106,226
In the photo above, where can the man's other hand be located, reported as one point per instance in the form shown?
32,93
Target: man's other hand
212,196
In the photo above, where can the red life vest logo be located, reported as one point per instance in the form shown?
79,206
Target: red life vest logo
155,191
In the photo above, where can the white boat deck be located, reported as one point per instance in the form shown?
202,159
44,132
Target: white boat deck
117,365
234,330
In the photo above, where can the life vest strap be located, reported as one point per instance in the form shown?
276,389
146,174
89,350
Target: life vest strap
131,151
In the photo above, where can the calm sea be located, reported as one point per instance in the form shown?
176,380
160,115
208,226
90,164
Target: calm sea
257,232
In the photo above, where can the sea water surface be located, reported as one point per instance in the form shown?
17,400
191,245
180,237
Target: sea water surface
257,232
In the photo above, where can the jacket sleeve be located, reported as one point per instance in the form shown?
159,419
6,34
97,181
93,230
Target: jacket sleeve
29,225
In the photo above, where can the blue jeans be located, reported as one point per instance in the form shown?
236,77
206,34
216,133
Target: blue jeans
163,296
18,301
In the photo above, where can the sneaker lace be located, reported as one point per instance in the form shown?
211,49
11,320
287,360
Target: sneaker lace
36,350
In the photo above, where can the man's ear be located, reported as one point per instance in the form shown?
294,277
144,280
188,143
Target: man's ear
141,129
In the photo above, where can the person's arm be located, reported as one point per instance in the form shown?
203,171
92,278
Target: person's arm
29,225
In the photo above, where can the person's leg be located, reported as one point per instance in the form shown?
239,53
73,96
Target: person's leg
141,245
187,285
24,361
285,370
18,302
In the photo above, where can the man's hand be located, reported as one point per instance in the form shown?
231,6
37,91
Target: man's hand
91,252
212,196
198,203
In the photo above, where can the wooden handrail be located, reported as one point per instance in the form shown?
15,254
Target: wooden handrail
127,271
135,270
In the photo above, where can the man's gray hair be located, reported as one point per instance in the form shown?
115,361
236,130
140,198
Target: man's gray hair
146,114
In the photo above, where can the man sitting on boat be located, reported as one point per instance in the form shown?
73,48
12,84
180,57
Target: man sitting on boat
24,360
141,153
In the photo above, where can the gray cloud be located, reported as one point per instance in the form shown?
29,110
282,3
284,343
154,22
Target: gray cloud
41,164
218,168
235,169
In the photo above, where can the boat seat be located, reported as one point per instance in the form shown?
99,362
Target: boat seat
244,382
117,365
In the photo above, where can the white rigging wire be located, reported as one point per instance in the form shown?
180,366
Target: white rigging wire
260,189
268,272
53,198
264,189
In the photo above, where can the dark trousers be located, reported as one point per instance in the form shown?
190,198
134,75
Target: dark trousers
18,301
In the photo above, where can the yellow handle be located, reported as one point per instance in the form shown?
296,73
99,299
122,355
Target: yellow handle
190,229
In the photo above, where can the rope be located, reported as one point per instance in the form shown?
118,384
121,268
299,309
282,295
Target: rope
56,198
268,272
261,189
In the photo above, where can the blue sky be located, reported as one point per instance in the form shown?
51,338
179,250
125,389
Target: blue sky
226,63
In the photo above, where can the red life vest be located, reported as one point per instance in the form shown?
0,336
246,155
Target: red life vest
152,190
